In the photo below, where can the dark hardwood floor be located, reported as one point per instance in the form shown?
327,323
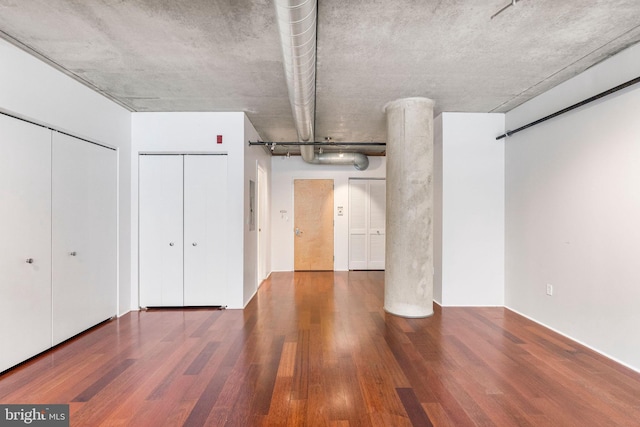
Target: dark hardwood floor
317,349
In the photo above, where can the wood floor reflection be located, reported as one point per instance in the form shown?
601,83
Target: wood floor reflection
317,349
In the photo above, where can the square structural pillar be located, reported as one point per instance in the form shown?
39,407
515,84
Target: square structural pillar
408,290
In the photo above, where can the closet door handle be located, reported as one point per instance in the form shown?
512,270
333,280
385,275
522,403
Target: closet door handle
170,243
29,260
195,243
74,253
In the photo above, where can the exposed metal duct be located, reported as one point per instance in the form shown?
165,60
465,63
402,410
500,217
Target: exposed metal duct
358,160
297,21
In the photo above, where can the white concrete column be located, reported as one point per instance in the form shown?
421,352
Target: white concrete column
408,288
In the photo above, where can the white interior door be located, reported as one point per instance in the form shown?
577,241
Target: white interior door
367,206
358,224
205,230
161,230
84,235
25,230
377,217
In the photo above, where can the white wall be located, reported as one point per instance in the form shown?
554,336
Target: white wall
197,132
35,91
573,209
437,209
469,209
253,156
284,171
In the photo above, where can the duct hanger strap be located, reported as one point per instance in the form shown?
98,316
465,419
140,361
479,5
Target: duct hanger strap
571,107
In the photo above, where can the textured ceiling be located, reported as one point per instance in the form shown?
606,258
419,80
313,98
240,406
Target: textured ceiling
224,55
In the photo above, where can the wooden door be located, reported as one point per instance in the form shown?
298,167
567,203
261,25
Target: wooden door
25,241
313,224
84,235
161,230
205,230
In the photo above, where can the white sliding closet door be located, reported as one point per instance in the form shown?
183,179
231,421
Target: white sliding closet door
367,206
160,230
205,225
84,221
25,241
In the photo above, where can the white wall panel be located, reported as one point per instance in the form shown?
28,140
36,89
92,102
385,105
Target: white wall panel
572,209
472,209
257,261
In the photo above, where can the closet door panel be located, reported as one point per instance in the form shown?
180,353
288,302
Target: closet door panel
84,283
377,215
358,224
367,213
205,219
161,230
25,230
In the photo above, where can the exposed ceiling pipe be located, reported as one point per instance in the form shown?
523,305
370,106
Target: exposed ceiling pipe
297,21
358,160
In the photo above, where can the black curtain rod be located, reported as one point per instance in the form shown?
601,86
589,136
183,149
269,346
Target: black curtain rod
56,130
572,107
321,144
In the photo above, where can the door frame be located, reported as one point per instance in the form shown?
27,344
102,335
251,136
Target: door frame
368,218
261,208
293,204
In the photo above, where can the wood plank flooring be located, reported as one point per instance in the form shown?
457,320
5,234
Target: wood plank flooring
317,349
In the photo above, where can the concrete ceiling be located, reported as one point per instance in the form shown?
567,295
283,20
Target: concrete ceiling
224,55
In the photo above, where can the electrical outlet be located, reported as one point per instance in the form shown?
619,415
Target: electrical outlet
549,289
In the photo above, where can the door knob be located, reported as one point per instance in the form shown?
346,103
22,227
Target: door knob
170,243
195,244
74,253
298,232
29,260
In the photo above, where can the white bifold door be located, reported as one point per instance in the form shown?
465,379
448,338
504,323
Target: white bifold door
58,237
367,206
25,241
84,239
182,230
